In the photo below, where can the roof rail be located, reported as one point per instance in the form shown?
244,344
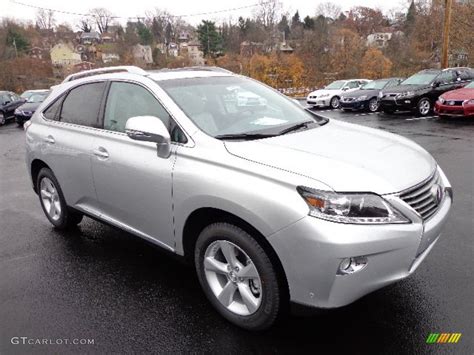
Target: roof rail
203,68
124,68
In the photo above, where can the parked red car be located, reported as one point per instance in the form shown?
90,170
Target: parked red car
457,103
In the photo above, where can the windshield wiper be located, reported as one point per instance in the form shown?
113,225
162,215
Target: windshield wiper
296,127
244,136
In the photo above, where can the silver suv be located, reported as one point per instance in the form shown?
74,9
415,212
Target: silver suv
271,203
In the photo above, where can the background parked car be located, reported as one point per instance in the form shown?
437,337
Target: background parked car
9,101
458,102
420,91
25,111
330,95
366,98
27,94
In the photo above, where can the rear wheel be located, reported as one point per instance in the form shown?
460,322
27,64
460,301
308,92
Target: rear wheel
423,107
53,203
238,276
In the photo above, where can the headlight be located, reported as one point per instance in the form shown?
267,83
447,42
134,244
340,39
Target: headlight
469,102
407,94
362,98
324,95
350,207
17,112
441,100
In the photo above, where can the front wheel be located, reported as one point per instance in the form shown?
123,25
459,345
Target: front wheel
335,102
423,107
238,277
373,105
2,119
53,202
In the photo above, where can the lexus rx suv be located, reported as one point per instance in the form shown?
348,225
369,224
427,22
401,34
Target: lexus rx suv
420,91
271,203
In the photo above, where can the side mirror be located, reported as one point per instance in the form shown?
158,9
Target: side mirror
345,89
150,129
436,84
6,102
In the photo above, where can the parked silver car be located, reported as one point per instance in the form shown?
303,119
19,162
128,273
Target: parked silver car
272,203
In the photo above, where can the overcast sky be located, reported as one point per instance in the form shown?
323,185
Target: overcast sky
130,8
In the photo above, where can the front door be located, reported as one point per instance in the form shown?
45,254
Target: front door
133,184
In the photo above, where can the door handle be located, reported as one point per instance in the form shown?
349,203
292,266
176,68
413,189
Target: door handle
101,153
49,139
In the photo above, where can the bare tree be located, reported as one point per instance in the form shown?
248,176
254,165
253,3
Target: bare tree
45,19
85,24
268,12
329,10
102,18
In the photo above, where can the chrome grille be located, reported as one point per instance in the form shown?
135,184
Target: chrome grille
422,198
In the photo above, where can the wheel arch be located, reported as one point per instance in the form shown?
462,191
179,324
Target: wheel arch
202,217
36,166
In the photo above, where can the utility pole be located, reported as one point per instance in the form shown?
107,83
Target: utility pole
447,24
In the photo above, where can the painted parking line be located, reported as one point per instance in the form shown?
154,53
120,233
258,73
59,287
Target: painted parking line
420,118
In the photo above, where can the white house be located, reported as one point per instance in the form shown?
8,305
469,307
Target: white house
379,39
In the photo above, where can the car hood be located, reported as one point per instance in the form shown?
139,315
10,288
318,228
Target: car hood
405,88
29,106
344,156
359,93
460,94
321,92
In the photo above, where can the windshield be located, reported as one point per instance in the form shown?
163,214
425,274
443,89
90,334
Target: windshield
420,79
234,105
37,97
335,85
375,85
470,85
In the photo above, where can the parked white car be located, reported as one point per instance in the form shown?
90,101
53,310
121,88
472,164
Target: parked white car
330,95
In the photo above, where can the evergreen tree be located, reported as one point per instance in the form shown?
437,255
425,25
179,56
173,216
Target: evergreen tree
210,39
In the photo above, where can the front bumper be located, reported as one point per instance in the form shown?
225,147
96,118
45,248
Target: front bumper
354,105
318,102
312,249
22,118
402,104
454,111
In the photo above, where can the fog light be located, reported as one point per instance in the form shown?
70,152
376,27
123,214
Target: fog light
352,265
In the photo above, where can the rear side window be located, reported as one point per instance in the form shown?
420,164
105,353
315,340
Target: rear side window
82,105
52,112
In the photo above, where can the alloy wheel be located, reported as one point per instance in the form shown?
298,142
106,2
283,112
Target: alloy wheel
2,119
424,107
335,102
232,277
373,105
50,199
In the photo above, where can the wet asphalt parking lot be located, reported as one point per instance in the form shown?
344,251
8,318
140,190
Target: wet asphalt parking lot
126,295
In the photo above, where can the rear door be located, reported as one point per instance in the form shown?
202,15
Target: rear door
67,141
133,184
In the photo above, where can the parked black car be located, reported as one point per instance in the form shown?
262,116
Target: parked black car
9,101
25,111
366,98
420,91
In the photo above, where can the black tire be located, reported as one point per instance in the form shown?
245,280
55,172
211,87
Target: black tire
3,120
67,217
373,105
273,302
424,107
334,103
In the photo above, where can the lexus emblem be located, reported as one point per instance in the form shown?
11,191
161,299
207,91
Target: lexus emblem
437,193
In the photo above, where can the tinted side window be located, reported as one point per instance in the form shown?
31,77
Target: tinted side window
52,112
126,100
82,105
353,84
445,77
